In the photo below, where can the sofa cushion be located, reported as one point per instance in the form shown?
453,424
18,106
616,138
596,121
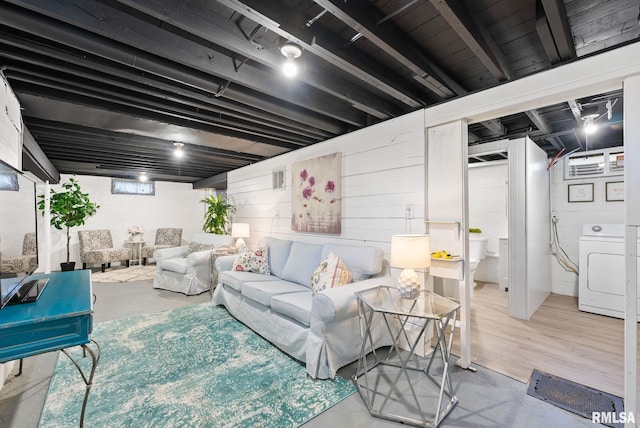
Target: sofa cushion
303,261
331,273
175,264
252,261
235,279
279,250
362,261
263,291
194,247
294,305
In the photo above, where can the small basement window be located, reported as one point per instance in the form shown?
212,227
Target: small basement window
277,179
120,186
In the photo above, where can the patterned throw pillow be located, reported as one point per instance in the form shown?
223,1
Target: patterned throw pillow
331,273
252,261
198,246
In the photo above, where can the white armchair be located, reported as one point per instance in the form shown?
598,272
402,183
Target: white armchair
187,269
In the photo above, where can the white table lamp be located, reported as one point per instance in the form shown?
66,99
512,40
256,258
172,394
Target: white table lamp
410,252
240,231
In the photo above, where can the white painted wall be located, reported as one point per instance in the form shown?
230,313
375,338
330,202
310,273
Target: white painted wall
571,218
382,175
174,205
488,211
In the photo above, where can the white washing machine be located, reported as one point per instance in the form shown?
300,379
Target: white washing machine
601,280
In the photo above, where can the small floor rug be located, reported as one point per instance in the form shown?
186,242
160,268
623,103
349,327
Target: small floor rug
132,273
573,397
194,366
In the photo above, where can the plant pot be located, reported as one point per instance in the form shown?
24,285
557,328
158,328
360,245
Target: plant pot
65,267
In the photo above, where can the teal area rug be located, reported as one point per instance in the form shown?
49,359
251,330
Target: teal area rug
190,367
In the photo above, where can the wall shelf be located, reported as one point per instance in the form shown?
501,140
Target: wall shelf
447,268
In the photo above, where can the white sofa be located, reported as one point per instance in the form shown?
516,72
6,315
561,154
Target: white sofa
322,331
186,271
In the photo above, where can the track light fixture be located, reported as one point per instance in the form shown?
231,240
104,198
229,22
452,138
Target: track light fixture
291,51
178,150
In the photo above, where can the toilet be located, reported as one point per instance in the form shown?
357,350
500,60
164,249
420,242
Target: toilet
477,252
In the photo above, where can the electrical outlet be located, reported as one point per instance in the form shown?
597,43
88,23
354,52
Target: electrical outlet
408,213
554,217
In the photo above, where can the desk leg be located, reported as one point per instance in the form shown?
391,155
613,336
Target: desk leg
87,381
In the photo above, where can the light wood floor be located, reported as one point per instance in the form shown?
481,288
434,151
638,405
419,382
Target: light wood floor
560,340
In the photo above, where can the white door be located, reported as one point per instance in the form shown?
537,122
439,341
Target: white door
529,262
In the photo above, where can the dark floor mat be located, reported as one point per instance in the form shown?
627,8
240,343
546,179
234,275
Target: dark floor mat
576,398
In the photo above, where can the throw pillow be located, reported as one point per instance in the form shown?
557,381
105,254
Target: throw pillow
331,273
198,246
252,261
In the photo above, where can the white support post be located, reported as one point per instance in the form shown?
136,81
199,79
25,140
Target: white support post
632,221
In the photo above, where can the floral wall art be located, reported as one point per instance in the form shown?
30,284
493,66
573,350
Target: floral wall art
316,195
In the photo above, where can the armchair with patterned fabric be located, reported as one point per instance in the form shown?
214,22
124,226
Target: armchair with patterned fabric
23,263
96,247
188,269
166,237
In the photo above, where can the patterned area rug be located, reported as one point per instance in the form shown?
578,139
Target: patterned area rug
132,273
192,366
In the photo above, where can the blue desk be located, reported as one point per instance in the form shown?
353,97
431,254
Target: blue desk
61,318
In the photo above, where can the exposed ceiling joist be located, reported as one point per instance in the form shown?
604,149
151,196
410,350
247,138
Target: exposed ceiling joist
393,43
109,22
474,35
559,25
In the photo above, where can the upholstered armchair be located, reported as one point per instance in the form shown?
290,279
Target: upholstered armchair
165,238
96,247
23,263
187,269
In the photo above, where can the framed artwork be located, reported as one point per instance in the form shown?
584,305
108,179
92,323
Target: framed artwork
316,195
615,191
581,192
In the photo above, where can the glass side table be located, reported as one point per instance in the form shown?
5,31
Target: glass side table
402,386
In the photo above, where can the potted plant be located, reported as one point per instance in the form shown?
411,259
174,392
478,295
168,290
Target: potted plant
216,216
69,207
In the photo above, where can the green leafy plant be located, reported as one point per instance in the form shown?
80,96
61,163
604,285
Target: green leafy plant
69,207
216,217
474,230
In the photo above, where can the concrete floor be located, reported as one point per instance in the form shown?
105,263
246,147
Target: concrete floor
486,398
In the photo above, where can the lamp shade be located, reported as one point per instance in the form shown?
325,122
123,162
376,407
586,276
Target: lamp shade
240,230
410,251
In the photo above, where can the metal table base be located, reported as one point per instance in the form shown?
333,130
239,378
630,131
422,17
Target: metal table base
402,386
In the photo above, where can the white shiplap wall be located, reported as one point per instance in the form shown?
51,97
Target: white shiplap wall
174,205
382,176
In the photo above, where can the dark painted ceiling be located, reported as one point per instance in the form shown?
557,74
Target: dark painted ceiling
108,86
